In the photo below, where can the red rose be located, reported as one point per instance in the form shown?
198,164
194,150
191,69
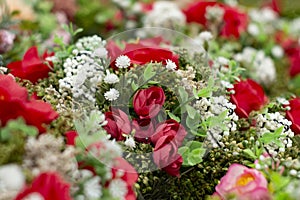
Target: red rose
169,128
294,115
32,67
117,124
144,129
14,103
148,102
274,5
49,185
38,113
196,11
165,155
145,51
235,22
71,137
294,63
248,96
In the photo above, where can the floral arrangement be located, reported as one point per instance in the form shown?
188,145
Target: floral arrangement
200,101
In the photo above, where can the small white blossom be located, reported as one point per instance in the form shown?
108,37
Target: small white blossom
214,13
123,61
11,178
111,78
205,36
130,142
112,94
293,172
253,29
277,51
223,61
170,65
92,188
118,188
34,196
227,84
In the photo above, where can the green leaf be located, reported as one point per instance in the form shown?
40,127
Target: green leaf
149,73
183,95
267,138
250,153
184,152
172,116
195,156
134,86
191,111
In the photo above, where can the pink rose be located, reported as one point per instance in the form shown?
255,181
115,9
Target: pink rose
144,129
245,183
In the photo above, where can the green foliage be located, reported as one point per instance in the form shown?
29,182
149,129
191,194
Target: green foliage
12,140
192,153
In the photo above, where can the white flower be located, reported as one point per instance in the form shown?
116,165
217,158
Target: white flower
34,196
123,61
277,51
205,36
170,65
118,188
214,13
223,61
111,78
11,178
92,188
130,142
227,84
253,29
112,94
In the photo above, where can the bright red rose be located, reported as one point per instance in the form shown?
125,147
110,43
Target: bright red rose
38,113
12,99
169,128
294,115
117,124
144,129
14,103
148,102
235,22
196,11
165,155
49,185
128,174
32,67
248,96
71,137
145,51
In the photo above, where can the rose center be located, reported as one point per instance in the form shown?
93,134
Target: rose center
1,97
244,179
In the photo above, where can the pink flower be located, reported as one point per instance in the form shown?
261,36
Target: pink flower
245,183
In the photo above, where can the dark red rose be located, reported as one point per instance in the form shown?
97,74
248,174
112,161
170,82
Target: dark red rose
117,124
14,103
146,51
165,155
71,137
294,60
144,129
169,128
248,96
148,102
235,22
49,185
196,11
294,115
32,67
